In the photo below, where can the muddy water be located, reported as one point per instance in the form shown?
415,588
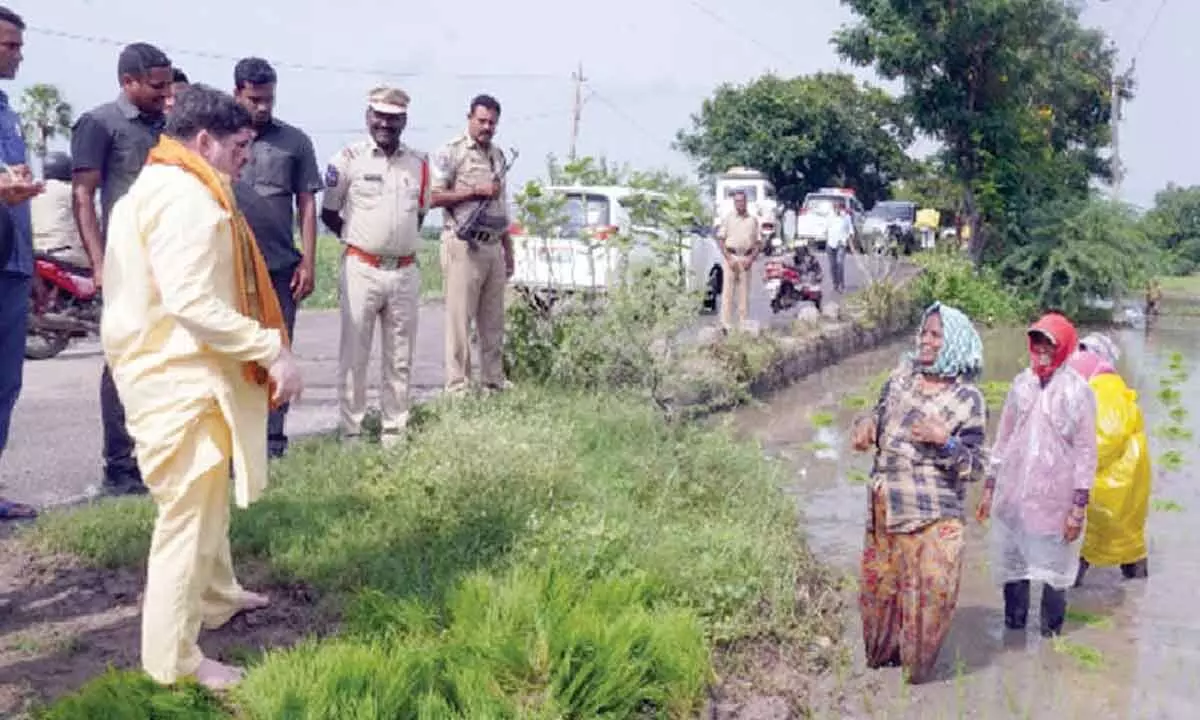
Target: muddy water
1131,649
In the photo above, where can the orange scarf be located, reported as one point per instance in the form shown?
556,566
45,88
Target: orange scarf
256,295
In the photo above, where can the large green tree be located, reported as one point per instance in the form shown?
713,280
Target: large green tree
1017,92
45,115
1173,224
804,132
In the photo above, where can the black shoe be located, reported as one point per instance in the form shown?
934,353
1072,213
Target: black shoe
117,487
1139,570
1049,632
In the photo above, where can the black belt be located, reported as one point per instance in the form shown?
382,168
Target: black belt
482,236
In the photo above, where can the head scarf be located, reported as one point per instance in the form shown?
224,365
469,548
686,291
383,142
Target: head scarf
1090,364
1103,346
962,349
1066,342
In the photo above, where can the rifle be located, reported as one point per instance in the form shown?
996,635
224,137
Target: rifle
468,229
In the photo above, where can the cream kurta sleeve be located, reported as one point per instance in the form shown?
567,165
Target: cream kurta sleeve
184,263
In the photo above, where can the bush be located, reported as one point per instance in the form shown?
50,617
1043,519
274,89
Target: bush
950,277
449,555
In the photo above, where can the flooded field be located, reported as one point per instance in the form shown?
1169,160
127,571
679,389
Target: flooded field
1131,649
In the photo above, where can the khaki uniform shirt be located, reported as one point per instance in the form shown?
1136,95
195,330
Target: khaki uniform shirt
462,163
54,224
740,232
379,197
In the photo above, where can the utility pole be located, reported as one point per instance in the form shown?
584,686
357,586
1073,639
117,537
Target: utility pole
1118,87
576,109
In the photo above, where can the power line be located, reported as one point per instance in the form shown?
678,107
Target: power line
616,109
309,67
1149,29
721,20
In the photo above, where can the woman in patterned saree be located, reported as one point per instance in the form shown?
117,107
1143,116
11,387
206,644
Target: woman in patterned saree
928,431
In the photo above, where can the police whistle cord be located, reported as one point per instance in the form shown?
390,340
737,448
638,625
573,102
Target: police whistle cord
468,229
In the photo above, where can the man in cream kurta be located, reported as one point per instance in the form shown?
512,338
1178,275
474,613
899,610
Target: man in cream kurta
176,341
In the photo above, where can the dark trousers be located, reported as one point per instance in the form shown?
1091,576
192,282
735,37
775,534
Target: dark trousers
1016,607
837,267
120,465
14,319
277,441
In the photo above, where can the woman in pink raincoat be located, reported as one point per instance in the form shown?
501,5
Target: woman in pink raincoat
1042,468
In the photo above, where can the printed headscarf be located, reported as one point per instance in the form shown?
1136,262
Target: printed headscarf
962,349
1090,364
1102,345
1066,342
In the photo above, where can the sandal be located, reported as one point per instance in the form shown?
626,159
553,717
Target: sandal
10,510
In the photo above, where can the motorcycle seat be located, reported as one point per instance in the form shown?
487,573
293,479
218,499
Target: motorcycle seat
70,266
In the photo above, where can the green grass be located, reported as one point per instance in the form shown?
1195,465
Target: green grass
1161,505
329,256
538,555
1171,460
822,419
1087,657
1173,432
995,392
1089,619
1181,286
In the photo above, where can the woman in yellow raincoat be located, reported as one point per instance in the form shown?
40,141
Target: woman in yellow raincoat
1120,499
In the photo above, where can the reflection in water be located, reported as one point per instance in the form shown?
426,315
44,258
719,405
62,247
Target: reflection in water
1131,648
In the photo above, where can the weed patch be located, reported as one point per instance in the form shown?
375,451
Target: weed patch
1087,657
1161,505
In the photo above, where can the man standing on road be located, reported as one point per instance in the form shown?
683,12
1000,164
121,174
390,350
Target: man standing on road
841,231
195,338
741,241
179,80
376,192
109,146
282,177
16,243
467,171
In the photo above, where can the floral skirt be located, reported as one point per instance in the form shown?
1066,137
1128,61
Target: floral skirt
908,590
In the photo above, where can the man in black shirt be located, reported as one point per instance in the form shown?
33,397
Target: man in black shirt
109,145
280,181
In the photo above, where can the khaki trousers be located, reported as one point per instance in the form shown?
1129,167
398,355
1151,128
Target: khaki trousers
736,280
189,577
474,286
393,297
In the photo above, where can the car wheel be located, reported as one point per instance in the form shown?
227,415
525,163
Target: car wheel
712,290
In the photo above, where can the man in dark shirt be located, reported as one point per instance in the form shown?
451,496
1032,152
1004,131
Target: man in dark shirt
280,181
109,145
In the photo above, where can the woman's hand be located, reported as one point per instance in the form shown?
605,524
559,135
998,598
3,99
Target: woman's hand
931,430
1074,527
863,434
984,510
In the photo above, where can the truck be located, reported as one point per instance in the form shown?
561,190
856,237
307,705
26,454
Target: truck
760,201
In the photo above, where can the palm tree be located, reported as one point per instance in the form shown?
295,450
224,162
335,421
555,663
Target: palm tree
45,115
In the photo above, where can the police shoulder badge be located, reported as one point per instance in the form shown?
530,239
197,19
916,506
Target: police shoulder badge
331,176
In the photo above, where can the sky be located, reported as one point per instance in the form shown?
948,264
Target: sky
648,64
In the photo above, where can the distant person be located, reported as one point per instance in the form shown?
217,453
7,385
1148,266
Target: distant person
16,244
179,80
377,190
279,184
197,345
108,146
841,233
740,239
1120,497
465,172
1043,466
54,228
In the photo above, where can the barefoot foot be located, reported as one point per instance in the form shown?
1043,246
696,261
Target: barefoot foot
218,676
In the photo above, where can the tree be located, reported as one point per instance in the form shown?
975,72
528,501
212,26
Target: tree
1016,90
45,115
1173,225
803,133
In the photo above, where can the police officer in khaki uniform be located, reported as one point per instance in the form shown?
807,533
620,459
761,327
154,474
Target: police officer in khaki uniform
741,242
466,171
377,192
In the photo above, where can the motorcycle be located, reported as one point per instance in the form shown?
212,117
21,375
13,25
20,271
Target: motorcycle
785,286
65,304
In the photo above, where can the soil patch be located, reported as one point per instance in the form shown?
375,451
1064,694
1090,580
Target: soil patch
63,623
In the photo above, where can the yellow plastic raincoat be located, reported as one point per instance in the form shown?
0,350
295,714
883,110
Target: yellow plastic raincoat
1120,498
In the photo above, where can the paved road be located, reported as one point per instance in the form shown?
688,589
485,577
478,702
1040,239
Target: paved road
53,453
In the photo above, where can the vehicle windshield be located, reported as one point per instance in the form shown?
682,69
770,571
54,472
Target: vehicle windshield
583,211
823,204
750,190
893,211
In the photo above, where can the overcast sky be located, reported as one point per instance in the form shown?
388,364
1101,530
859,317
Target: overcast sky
648,63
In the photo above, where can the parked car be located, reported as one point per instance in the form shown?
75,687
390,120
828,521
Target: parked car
893,220
812,222
579,257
